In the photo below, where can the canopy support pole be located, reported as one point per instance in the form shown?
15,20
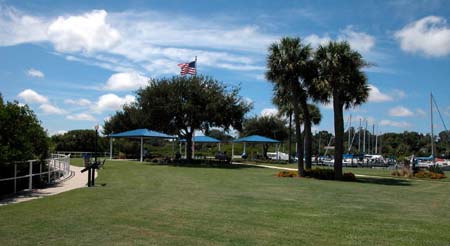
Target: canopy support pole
142,148
173,148
278,151
185,150
232,151
219,146
110,148
244,152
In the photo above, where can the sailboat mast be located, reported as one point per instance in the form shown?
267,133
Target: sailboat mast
349,132
359,137
432,130
376,142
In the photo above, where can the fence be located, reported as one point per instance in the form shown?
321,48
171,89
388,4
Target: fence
80,154
53,169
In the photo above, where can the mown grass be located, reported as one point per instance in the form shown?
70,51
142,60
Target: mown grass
142,204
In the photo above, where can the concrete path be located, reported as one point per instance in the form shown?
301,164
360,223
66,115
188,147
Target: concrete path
295,169
75,180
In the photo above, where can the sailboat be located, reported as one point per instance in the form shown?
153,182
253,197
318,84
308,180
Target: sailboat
426,162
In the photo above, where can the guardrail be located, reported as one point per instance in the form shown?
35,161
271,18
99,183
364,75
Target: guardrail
57,167
79,154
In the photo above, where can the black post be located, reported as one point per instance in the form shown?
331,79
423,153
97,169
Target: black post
95,157
89,177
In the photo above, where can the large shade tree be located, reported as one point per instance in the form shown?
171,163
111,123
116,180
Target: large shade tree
181,105
340,74
291,68
21,134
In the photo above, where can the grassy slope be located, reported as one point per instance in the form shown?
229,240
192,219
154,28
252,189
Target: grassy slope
144,204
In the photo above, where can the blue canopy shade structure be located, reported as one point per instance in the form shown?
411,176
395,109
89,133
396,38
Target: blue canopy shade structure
199,139
253,139
140,134
203,139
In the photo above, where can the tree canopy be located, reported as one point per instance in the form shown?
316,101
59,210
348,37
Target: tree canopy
78,140
180,105
21,134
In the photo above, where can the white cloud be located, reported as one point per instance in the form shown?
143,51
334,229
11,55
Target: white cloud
17,27
269,112
429,36
81,117
79,102
247,100
126,81
149,41
375,95
111,102
399,124
87,32
30,96
400,111
59,132
359,41
51,109
399,94
35,73
420,112
315,40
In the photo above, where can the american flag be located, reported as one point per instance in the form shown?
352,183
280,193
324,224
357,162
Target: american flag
188,68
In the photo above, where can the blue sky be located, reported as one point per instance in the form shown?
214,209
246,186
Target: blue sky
75,63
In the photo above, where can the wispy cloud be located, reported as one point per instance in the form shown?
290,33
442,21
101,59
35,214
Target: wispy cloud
398,124
35,73
400,111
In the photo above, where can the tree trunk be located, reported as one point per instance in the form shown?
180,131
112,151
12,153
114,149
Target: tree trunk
265,149
290,138
307,135
339,136
189,145
299,139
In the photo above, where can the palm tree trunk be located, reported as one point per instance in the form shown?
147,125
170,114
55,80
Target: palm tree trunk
299,139
307,135
290,138
339,136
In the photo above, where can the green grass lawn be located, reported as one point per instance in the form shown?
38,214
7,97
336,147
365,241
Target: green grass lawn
141,204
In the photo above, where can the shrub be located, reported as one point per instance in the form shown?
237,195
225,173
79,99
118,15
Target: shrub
435,169
430,175
349,177
287,174
318,173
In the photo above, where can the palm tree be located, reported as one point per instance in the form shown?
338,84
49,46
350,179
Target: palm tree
285,109
340,74
287,67
314,119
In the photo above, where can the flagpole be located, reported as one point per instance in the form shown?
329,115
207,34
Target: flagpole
195,66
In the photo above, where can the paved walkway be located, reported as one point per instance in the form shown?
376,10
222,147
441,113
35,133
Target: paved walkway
295,169
75,180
